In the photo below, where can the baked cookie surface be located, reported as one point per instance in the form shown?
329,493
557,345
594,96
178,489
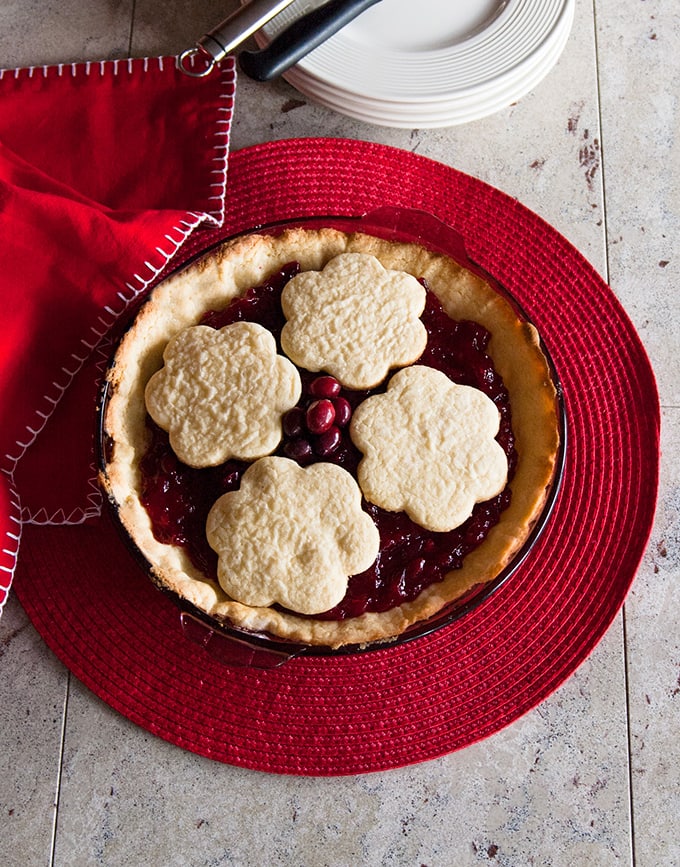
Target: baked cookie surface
429,448
221,394
211,284
330,537
354,319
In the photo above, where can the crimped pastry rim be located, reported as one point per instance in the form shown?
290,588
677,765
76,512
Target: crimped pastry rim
445,601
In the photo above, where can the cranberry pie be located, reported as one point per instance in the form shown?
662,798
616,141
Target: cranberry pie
328,437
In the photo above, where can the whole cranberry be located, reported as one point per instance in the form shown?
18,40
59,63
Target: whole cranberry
294,422
343,411
328,442
324,386
320,416
298,449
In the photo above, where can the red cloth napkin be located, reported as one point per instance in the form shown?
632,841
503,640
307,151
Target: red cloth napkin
106,169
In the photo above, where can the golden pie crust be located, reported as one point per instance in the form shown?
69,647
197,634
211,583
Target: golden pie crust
210,284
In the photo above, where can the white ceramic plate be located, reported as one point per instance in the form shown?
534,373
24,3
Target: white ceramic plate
429,62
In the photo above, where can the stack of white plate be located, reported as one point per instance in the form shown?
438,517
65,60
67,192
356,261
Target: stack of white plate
430,63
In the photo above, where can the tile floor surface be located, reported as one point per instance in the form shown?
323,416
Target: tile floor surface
591,776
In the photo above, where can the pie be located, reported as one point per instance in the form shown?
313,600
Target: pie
328,437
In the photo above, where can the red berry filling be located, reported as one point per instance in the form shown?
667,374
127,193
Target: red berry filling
411,558
320,415
325,386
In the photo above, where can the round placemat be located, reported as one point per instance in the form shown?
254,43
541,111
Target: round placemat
440,693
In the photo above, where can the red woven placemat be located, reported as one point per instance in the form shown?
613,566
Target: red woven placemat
440,693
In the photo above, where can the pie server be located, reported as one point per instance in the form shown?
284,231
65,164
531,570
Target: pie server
286,49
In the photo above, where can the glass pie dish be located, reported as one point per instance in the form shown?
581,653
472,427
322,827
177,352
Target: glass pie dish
236,644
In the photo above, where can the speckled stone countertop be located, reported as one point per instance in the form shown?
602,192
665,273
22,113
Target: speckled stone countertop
590,777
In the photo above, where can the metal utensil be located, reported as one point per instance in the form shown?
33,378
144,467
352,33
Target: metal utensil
228,35
286,49
299,38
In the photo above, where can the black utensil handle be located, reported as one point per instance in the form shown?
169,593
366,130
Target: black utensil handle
301,37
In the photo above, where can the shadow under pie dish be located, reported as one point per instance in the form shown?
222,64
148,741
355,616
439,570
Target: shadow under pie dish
442,329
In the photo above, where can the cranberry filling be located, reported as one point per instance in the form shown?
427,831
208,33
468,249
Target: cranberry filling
178,498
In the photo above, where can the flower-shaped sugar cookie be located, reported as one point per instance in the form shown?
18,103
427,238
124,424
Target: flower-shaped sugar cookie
291,535
221,394
355,319
429,448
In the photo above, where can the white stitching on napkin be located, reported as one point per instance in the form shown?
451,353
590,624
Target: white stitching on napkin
85,68
12,542
143,282
94,341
